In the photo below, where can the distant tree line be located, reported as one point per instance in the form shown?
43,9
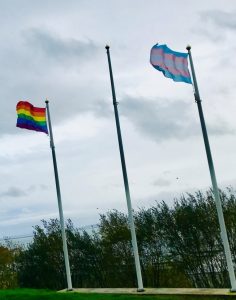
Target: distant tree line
179,246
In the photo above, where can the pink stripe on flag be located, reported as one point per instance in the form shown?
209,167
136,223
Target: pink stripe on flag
171,69
179,65
161,54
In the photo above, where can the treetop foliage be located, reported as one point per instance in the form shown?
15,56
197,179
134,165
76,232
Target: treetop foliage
179,246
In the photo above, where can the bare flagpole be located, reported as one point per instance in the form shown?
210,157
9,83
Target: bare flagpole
224,236
126,183
65,250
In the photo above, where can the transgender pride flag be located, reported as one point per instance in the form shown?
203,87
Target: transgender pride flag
172,64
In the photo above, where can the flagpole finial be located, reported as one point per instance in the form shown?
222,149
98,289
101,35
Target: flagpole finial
188,47
107,47
46,101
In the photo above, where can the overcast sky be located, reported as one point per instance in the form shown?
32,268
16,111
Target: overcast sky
56,50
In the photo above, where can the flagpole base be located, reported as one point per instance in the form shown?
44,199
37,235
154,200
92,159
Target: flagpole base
140,290
70,290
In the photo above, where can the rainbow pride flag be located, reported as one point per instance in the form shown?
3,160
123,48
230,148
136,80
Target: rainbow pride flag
30,117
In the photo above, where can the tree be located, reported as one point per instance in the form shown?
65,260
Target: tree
8,275
179,246
118,261
192,235
85,258
41,265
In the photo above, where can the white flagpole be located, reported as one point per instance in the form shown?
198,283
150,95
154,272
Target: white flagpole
65,250
224,236
126,183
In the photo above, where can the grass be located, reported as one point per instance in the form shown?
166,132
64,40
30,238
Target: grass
33,294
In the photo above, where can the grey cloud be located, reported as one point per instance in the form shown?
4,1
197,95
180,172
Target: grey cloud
42,64
102,108
31,188
166,172
220,128
59,49
161,182
164,119
214,24
41,187
221,19
44,187
14,192
212,35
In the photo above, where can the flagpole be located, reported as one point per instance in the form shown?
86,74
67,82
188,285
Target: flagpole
126,183
224,236
65,250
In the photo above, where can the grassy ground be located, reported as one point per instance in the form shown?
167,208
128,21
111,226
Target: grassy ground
31,294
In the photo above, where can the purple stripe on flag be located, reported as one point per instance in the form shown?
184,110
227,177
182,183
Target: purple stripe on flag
31,127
